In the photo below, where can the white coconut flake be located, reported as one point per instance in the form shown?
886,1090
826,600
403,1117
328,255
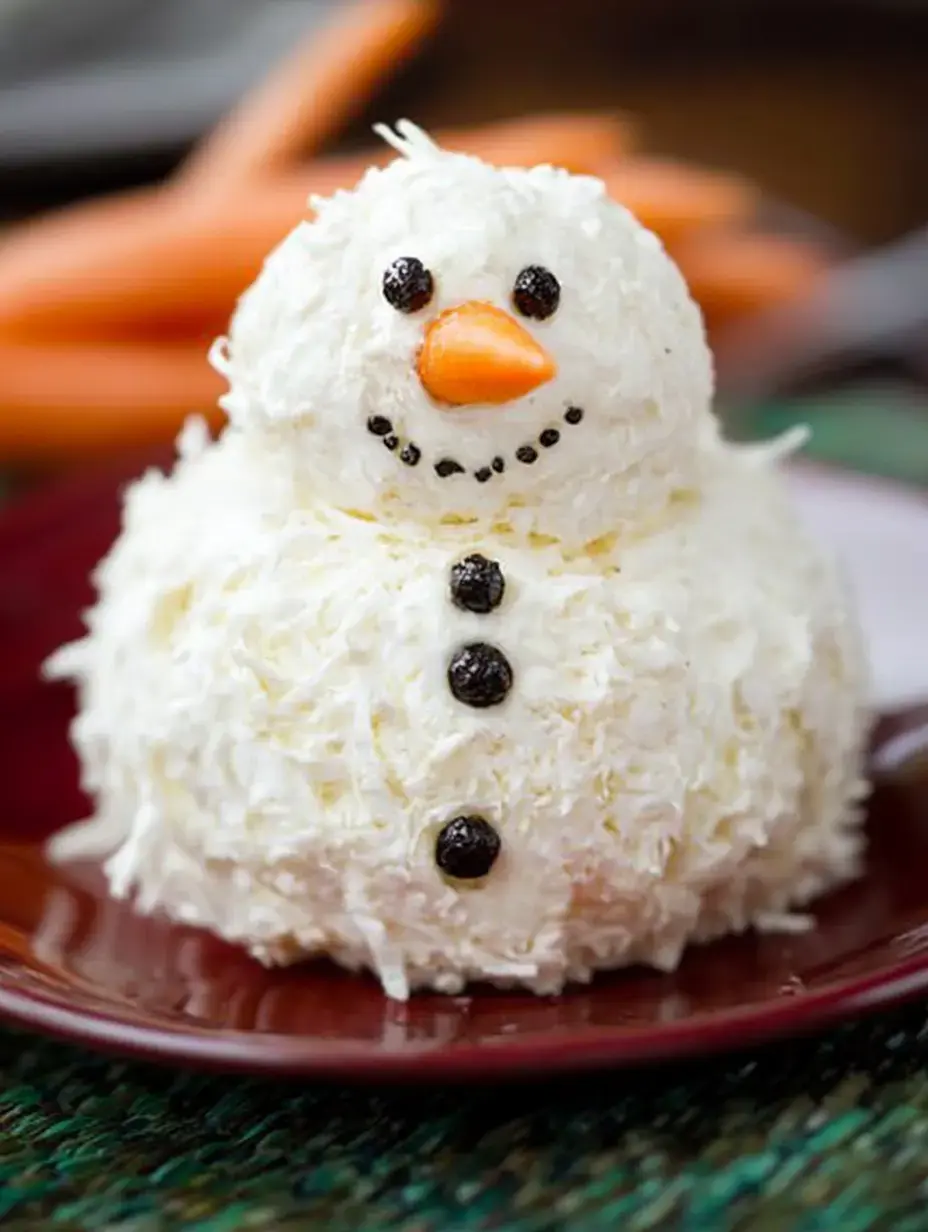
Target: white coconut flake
407,139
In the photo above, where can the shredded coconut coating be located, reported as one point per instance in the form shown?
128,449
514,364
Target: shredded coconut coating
264,718
314,348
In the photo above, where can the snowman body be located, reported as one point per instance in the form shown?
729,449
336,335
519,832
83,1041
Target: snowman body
289,691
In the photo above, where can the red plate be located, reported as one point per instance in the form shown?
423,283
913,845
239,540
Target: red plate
77,965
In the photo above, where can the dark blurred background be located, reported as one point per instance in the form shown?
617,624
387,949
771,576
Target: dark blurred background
823,102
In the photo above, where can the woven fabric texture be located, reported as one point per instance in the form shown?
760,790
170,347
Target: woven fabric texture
827,1134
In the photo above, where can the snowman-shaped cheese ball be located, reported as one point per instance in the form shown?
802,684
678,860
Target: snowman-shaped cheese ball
470,652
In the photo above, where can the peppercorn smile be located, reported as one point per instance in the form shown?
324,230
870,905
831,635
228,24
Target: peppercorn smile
445,467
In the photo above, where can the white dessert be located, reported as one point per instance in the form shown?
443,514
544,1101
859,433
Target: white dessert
266,722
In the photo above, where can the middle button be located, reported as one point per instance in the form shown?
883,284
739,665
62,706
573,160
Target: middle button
479,675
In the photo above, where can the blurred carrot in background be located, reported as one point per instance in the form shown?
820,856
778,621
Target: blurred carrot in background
734,273
674,199
312,94
64,402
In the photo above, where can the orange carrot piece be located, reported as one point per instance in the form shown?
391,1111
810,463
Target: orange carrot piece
672,198
732,273
42,255
311,95
579,141
169,261
80,401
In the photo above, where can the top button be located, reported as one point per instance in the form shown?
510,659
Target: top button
477,584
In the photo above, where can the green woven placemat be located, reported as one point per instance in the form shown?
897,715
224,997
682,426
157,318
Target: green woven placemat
830,1134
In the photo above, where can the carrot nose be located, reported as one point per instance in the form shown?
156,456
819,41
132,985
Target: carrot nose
477,353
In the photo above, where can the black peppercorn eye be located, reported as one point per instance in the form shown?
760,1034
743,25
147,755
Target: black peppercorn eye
536,293
407,285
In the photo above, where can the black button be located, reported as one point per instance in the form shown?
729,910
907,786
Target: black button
479,675
467,848
477,584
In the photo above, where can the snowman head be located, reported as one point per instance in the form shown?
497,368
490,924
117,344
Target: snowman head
455,342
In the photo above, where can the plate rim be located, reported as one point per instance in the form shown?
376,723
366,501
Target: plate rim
572,1050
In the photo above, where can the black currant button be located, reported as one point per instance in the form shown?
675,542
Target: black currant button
484,475
479,675
498,465
391,441
467,848
445,467
536,293
477,584
407,285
